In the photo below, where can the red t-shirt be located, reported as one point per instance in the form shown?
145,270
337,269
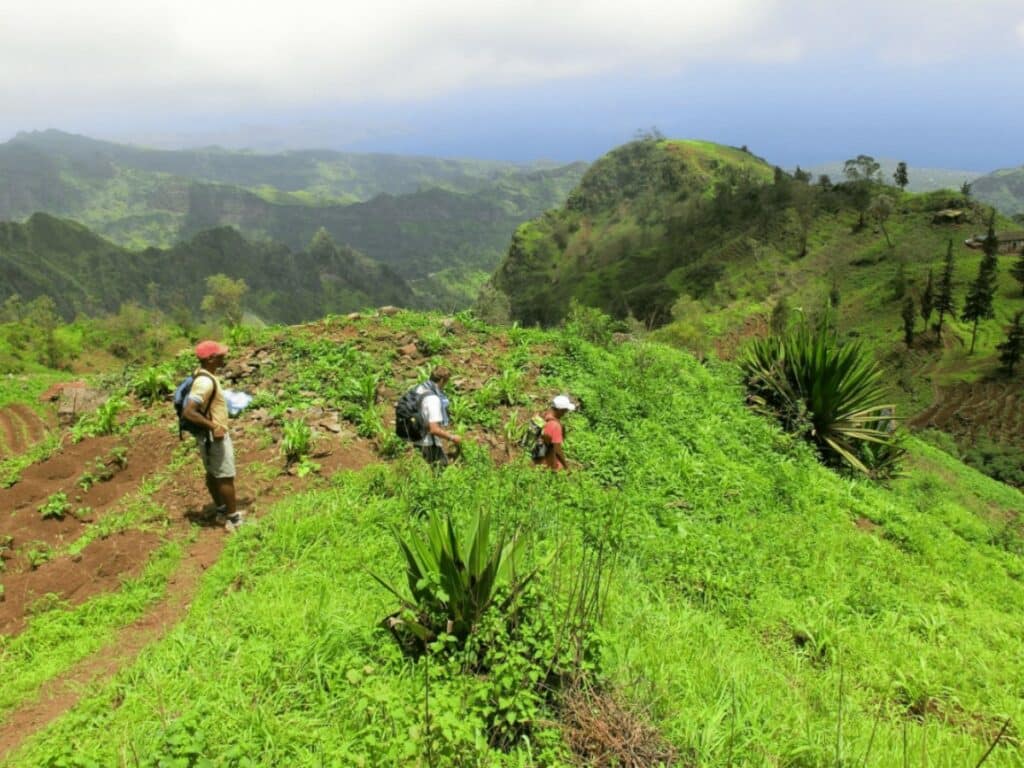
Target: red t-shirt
552,435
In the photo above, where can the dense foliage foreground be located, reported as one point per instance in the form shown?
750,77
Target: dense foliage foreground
756,607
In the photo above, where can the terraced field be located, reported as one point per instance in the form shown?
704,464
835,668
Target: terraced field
20,429
968,410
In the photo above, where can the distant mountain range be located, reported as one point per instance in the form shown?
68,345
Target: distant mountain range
85,273
1004,189
418,215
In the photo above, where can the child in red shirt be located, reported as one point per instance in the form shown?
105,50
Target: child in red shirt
553,435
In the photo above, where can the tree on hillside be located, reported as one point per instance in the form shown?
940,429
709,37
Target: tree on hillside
805,203
927,301
12,309
801,175
834,296
861,172
900,176
965,190
223,298
780,317
978,305
1017,270
909,314
898,283
1010,351
944,302
880,210
825,181
41,319
862,168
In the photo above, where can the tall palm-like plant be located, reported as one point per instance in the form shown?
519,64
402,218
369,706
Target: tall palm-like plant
453,580
832,394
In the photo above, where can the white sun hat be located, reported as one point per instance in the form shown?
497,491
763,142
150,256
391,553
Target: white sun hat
563,403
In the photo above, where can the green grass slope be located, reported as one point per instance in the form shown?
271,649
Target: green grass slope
83,272
707,246
760,609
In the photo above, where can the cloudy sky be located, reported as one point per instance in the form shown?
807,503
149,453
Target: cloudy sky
936,83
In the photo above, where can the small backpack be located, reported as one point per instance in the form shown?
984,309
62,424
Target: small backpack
408,419
535,440
181,395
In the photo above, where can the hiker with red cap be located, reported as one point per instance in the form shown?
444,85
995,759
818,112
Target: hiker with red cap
552,435
207,408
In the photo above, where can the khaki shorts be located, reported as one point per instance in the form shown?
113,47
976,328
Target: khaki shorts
218,456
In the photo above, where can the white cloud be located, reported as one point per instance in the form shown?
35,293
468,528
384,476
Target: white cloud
236,53
58,56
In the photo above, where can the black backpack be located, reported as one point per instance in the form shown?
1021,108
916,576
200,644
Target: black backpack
181,395
408,419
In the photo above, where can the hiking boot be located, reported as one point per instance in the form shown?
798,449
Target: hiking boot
234,523
220,514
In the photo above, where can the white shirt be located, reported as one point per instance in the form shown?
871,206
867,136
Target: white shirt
430,413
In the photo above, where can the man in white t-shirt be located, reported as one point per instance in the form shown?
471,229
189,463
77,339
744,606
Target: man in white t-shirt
434,412
207,407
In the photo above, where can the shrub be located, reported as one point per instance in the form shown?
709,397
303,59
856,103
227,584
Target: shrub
832,395
56,506
297,440
589,323
454,579
152,383
102,421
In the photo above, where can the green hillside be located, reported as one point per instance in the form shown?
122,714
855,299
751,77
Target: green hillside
418,215
706,244
721,597
1004,189
84,273
633,233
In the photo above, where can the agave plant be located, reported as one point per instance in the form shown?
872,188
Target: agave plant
453,580
832,394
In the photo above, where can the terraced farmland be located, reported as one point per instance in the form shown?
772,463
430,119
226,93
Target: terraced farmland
20,429
967,411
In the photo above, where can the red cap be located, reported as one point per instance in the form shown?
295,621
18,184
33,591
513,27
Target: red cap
207,349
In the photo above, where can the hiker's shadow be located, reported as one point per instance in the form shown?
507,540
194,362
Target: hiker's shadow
204,518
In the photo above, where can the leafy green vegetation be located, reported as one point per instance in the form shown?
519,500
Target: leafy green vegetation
56,506
700,566
830,394
454,580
